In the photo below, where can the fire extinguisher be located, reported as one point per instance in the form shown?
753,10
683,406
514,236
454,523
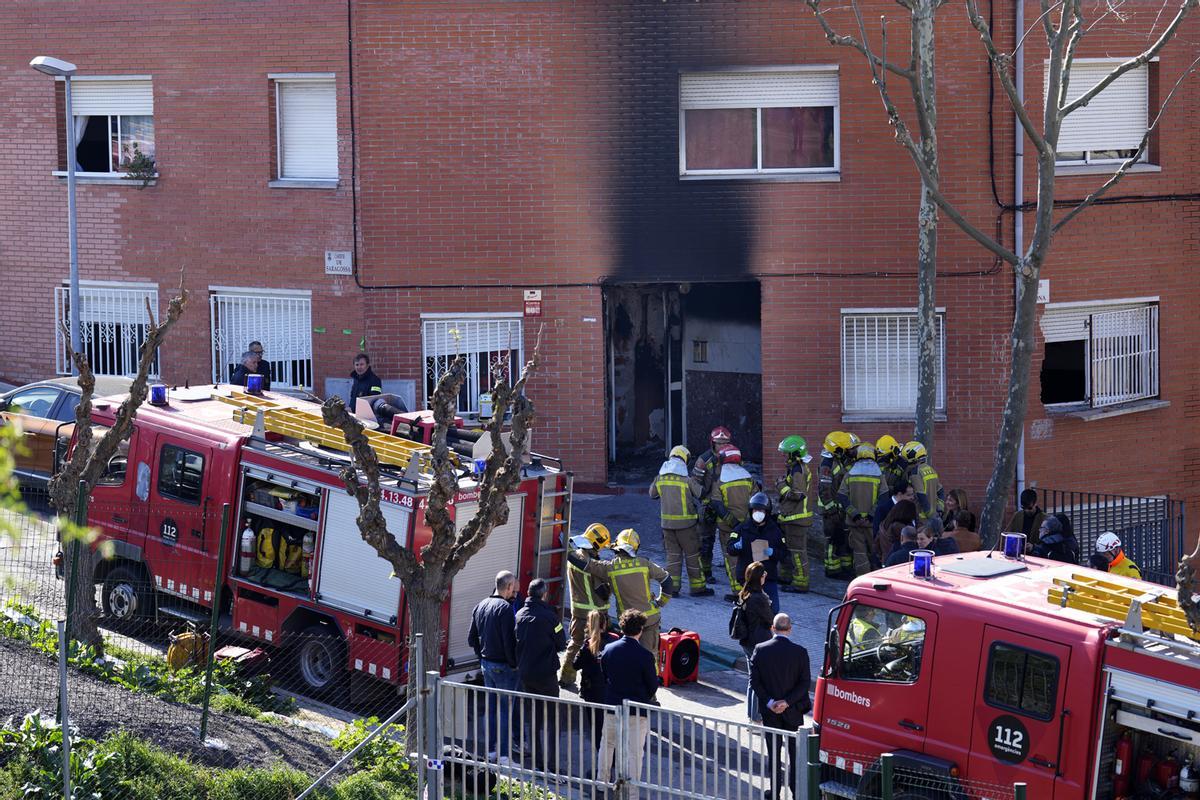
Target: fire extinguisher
1145,766
246,551
1166,773
1123,765
308,546
1189,780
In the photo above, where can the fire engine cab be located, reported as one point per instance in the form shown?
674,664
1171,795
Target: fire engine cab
297,578
991,670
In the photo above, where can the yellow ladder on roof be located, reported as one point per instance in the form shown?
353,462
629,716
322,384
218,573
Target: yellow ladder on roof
1156,609
310,427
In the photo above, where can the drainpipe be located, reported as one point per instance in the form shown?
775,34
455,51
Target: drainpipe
1019,194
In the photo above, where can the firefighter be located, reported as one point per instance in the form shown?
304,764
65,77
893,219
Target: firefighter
859,491
629,575
731,501
931,497
588,593
1108,545
839,562
678,514
890,460
704,475
761,525
794,514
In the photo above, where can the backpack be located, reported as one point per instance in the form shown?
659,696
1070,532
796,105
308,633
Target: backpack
280,550
738,630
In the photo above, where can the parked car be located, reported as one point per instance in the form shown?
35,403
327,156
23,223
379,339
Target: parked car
47,411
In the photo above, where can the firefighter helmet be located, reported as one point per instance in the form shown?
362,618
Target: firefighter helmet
1108,542
915,451
595,537
838,443
681,452
854,440
628,542
730,455
761,501
795,447
865,450
888,446
720,435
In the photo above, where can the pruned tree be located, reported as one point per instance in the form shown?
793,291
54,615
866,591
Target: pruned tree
428,574
1187,581
1063,24
89,460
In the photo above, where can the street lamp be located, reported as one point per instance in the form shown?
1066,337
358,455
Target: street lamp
56,67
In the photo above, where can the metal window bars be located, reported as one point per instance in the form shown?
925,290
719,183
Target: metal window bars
282,323
486,343
113,326
1124,355
879,362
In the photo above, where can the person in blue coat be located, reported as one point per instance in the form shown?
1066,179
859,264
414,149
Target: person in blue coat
762,525
629,674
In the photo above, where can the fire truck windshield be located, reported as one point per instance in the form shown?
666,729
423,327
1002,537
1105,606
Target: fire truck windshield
882,645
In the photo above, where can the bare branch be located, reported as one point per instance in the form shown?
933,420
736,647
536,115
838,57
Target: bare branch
1042,18
444,404
1189,590
1133,159
861,46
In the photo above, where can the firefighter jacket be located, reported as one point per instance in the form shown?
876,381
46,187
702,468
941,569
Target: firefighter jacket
735,488
630,581
829,483
741,545
588,593
676,494
931,497
1122,565
793,495
894,471
704,473
861,488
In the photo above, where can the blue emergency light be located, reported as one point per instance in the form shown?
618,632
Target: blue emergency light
1014,545
254,384
922,561
158,395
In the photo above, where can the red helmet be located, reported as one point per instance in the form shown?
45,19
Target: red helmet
730,455
720,434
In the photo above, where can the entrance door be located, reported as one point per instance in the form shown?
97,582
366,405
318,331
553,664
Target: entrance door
183,524
1019,711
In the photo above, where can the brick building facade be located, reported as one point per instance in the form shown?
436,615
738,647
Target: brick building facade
488,148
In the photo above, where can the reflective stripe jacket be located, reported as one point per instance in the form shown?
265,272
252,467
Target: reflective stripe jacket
736,487
586,591
861,488
931,497
893,470
704,473
677,495
1121,565
829,483
630,581
793,495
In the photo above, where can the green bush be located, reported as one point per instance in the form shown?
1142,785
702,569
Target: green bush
386,748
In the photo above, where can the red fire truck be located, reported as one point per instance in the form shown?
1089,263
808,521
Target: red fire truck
337,609
995,670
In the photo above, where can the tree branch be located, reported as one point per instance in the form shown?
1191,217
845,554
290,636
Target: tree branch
861,46
444,404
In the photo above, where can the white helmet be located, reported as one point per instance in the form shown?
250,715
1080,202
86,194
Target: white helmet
1107,542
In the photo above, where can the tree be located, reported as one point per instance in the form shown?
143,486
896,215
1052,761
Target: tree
1063,25
427,575
89,460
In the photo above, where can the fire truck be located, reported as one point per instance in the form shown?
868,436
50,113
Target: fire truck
994,670
335,611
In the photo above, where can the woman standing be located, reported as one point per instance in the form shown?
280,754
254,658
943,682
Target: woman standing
591,676
755,607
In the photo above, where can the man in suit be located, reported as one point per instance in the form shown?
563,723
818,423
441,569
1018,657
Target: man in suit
629,674
780,678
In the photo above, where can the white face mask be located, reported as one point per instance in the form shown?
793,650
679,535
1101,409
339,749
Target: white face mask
759,516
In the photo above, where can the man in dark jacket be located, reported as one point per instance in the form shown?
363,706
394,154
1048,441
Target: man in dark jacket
1057,541
903,552
780,678
493,638
760,525
252,364
364,380
540,638
902,490
629,674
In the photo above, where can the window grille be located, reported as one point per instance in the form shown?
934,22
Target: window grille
879,363
1124,347
485,343
283,323
113,326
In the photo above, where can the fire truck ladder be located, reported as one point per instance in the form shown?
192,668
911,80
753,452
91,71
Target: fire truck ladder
554,528
1139,611
268,415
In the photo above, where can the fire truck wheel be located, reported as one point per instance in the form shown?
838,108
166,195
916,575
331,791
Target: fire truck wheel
320,661
126,595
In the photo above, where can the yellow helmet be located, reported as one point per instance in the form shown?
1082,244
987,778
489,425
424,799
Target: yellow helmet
837,443
596,536
888,446
915,451
681,452
628,542
865,450
854,440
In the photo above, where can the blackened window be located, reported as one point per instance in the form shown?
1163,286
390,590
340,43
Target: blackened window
1022,680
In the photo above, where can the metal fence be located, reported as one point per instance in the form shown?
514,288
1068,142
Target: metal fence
1151,528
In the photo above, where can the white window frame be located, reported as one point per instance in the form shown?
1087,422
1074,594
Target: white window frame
880,364
113,310
285,341
1076,90
113,169
478,327
759,170
280,79
1109,362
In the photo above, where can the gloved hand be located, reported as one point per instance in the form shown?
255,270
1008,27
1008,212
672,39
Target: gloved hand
770,551
736,545
661,600
719,507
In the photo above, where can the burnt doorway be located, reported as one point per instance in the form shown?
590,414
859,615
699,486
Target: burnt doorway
682,358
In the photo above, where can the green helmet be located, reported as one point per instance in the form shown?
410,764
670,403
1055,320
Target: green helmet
794,446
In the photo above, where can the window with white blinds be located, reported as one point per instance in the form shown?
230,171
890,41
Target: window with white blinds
879,363
488,344
758,121
1110,127
113,325
306,111
282,322
112,122
1101,355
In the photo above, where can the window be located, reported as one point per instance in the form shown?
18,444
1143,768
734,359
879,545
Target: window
281,321
180,474
488,344
113,326
118,465
1100,355
879,362
758,122
113,120
882,646
1109,128
306,123
1022,680
35,402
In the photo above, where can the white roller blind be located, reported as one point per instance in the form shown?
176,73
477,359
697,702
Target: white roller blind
451,337
758,89
307,129
1071,324
1115,119
95,98
351,575
879,363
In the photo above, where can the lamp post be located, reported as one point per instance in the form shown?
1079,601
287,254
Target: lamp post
56,67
